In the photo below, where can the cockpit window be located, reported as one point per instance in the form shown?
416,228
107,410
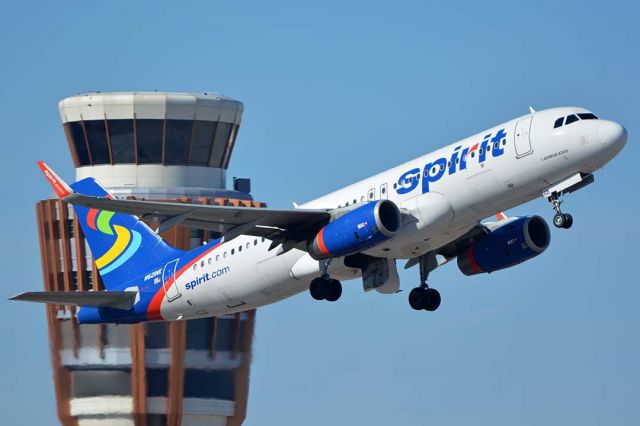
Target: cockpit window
558,122
587,116
572,119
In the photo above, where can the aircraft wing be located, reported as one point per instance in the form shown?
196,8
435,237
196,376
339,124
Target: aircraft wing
112,299
297,224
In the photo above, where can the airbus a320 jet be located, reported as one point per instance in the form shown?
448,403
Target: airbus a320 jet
428,211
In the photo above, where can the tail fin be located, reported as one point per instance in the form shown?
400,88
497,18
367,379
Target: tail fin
123,246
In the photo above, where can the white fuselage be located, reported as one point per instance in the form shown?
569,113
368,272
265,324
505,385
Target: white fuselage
463,184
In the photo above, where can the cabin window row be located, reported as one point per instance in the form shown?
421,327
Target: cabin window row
224,254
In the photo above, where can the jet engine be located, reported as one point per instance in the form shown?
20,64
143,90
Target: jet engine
506,245
356,230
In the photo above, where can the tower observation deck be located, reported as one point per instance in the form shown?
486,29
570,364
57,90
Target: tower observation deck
173,147
155,141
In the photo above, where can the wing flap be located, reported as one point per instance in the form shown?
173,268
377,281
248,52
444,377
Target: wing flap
213,217
112,299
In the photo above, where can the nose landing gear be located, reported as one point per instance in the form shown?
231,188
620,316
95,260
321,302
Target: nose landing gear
560,220
424,297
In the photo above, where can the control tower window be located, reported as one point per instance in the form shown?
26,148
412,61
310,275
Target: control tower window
121,138
201,143
157,382
558,122
80,145
208,384
177,139
149,141
587,116
88,383
220,141
97,135
572,119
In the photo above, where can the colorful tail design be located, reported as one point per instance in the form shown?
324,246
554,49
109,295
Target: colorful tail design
123,246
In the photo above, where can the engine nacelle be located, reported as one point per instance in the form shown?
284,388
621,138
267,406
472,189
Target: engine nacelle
357,230
514,242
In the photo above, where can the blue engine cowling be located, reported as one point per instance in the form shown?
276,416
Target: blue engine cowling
514,242
357,230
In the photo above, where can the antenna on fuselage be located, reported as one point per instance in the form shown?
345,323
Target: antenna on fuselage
531,110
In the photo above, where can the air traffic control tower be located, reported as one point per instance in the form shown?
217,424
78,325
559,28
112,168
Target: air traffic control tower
161,146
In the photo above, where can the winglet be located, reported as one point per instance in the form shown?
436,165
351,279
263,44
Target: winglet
59,186
501,216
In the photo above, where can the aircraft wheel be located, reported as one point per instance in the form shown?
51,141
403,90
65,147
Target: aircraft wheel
559,220
317,288
334,290
433,300
568,221
418,298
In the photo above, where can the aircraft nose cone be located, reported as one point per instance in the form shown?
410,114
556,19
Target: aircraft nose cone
612,134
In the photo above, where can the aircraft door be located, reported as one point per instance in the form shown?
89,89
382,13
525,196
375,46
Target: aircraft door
383,191
168,274
523,137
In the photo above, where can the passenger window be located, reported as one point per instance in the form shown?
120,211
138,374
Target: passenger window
248,245
210,261
488,147
473,154
233,251
384,189
195,265
224,255
202,264
354,201
217,257
571,119
587,116
558,122
255,242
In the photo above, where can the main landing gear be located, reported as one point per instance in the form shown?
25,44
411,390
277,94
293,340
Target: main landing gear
324,287
423,296
560,220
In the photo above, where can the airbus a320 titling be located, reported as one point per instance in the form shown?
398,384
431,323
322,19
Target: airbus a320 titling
429,211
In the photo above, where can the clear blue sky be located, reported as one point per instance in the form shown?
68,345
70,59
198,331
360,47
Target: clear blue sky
334,92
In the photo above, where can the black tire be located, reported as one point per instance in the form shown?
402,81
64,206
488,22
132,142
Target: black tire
334,290
417,298
317,288
433,300
559,220
568,221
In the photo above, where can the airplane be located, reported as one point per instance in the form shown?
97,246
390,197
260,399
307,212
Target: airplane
430,211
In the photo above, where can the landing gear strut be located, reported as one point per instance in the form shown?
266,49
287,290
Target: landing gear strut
325,287
424,297
560,220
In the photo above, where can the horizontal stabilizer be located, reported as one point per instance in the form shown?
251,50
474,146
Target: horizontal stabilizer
112,299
